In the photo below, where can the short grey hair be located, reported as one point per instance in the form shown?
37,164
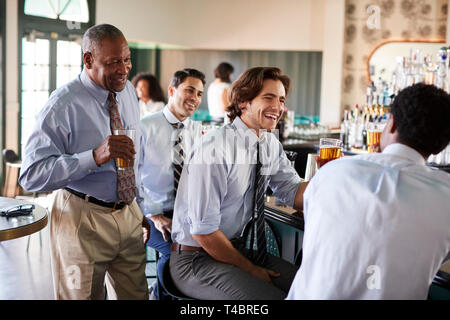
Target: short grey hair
94,36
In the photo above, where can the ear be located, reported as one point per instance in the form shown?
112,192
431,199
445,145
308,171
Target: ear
391,123
244,105
88,60
171,90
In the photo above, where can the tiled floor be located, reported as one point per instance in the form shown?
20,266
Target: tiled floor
27,275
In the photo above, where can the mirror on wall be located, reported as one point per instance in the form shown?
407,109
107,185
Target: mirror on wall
382,61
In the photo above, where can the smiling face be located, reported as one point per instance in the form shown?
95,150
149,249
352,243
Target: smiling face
142,90
109,64
184,100
266,109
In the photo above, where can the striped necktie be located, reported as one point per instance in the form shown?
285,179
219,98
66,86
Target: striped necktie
258,212
178,156
126,183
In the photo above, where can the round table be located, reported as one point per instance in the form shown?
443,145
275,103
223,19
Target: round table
16,227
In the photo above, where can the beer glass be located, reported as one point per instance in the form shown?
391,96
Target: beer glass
330,149
122,164
374,130
311,166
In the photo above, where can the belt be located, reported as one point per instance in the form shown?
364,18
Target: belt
179,247
114,205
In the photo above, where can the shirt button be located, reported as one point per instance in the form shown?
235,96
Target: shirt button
70,180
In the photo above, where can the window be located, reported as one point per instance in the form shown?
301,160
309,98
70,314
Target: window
51,52
71,10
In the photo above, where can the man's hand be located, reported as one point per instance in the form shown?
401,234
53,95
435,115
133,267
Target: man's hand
218,246
263,273
163,224
114,147
145,230
322,162
374,147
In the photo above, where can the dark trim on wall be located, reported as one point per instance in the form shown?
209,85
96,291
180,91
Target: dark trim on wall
3,81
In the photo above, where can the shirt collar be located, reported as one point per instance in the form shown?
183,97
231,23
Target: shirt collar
100,94
244,130
171,118
403,151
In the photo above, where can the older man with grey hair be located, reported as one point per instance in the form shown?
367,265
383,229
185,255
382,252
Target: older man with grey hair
97,228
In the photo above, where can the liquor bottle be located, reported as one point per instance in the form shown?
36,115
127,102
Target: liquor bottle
359,126
352,127
442,72
344,131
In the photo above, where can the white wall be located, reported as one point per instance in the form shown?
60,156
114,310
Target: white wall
219,24
300,25
333,51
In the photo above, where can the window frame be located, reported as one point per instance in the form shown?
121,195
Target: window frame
50,28
3,82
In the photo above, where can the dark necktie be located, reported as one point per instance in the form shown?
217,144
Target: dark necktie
126,183
178,156
258,212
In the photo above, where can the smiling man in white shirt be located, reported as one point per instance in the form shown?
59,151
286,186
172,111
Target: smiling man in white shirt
217,192
158,176
377,225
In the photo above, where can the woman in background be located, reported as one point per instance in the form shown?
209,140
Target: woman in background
218,92
149,92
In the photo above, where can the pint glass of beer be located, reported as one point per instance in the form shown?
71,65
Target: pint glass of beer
374,130
330,149
122,164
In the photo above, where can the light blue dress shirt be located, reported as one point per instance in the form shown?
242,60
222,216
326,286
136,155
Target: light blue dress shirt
157,171
216,188
75,120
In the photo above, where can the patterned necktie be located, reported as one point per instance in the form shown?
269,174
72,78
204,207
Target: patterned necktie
126,183
178,156
258,212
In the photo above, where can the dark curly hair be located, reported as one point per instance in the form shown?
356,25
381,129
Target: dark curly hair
154,89
249,85
422,117
224,71
181,75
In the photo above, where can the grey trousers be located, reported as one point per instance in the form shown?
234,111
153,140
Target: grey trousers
198,275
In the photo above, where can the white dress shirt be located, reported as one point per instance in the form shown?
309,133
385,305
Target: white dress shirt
150,107
157,169
217,183
215,92
376,227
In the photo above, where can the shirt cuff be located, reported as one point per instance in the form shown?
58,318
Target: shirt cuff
203,228
86,161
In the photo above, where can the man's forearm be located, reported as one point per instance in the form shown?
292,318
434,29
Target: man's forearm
220,248
298,201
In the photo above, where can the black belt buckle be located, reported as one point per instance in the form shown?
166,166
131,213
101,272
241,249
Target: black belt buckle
118,205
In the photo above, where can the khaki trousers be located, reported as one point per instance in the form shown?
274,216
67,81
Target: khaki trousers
91,245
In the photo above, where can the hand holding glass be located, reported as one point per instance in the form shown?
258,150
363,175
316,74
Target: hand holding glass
122,164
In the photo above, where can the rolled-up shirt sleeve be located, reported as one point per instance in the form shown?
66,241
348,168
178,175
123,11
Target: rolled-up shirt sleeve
206,189
46,165
284,181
